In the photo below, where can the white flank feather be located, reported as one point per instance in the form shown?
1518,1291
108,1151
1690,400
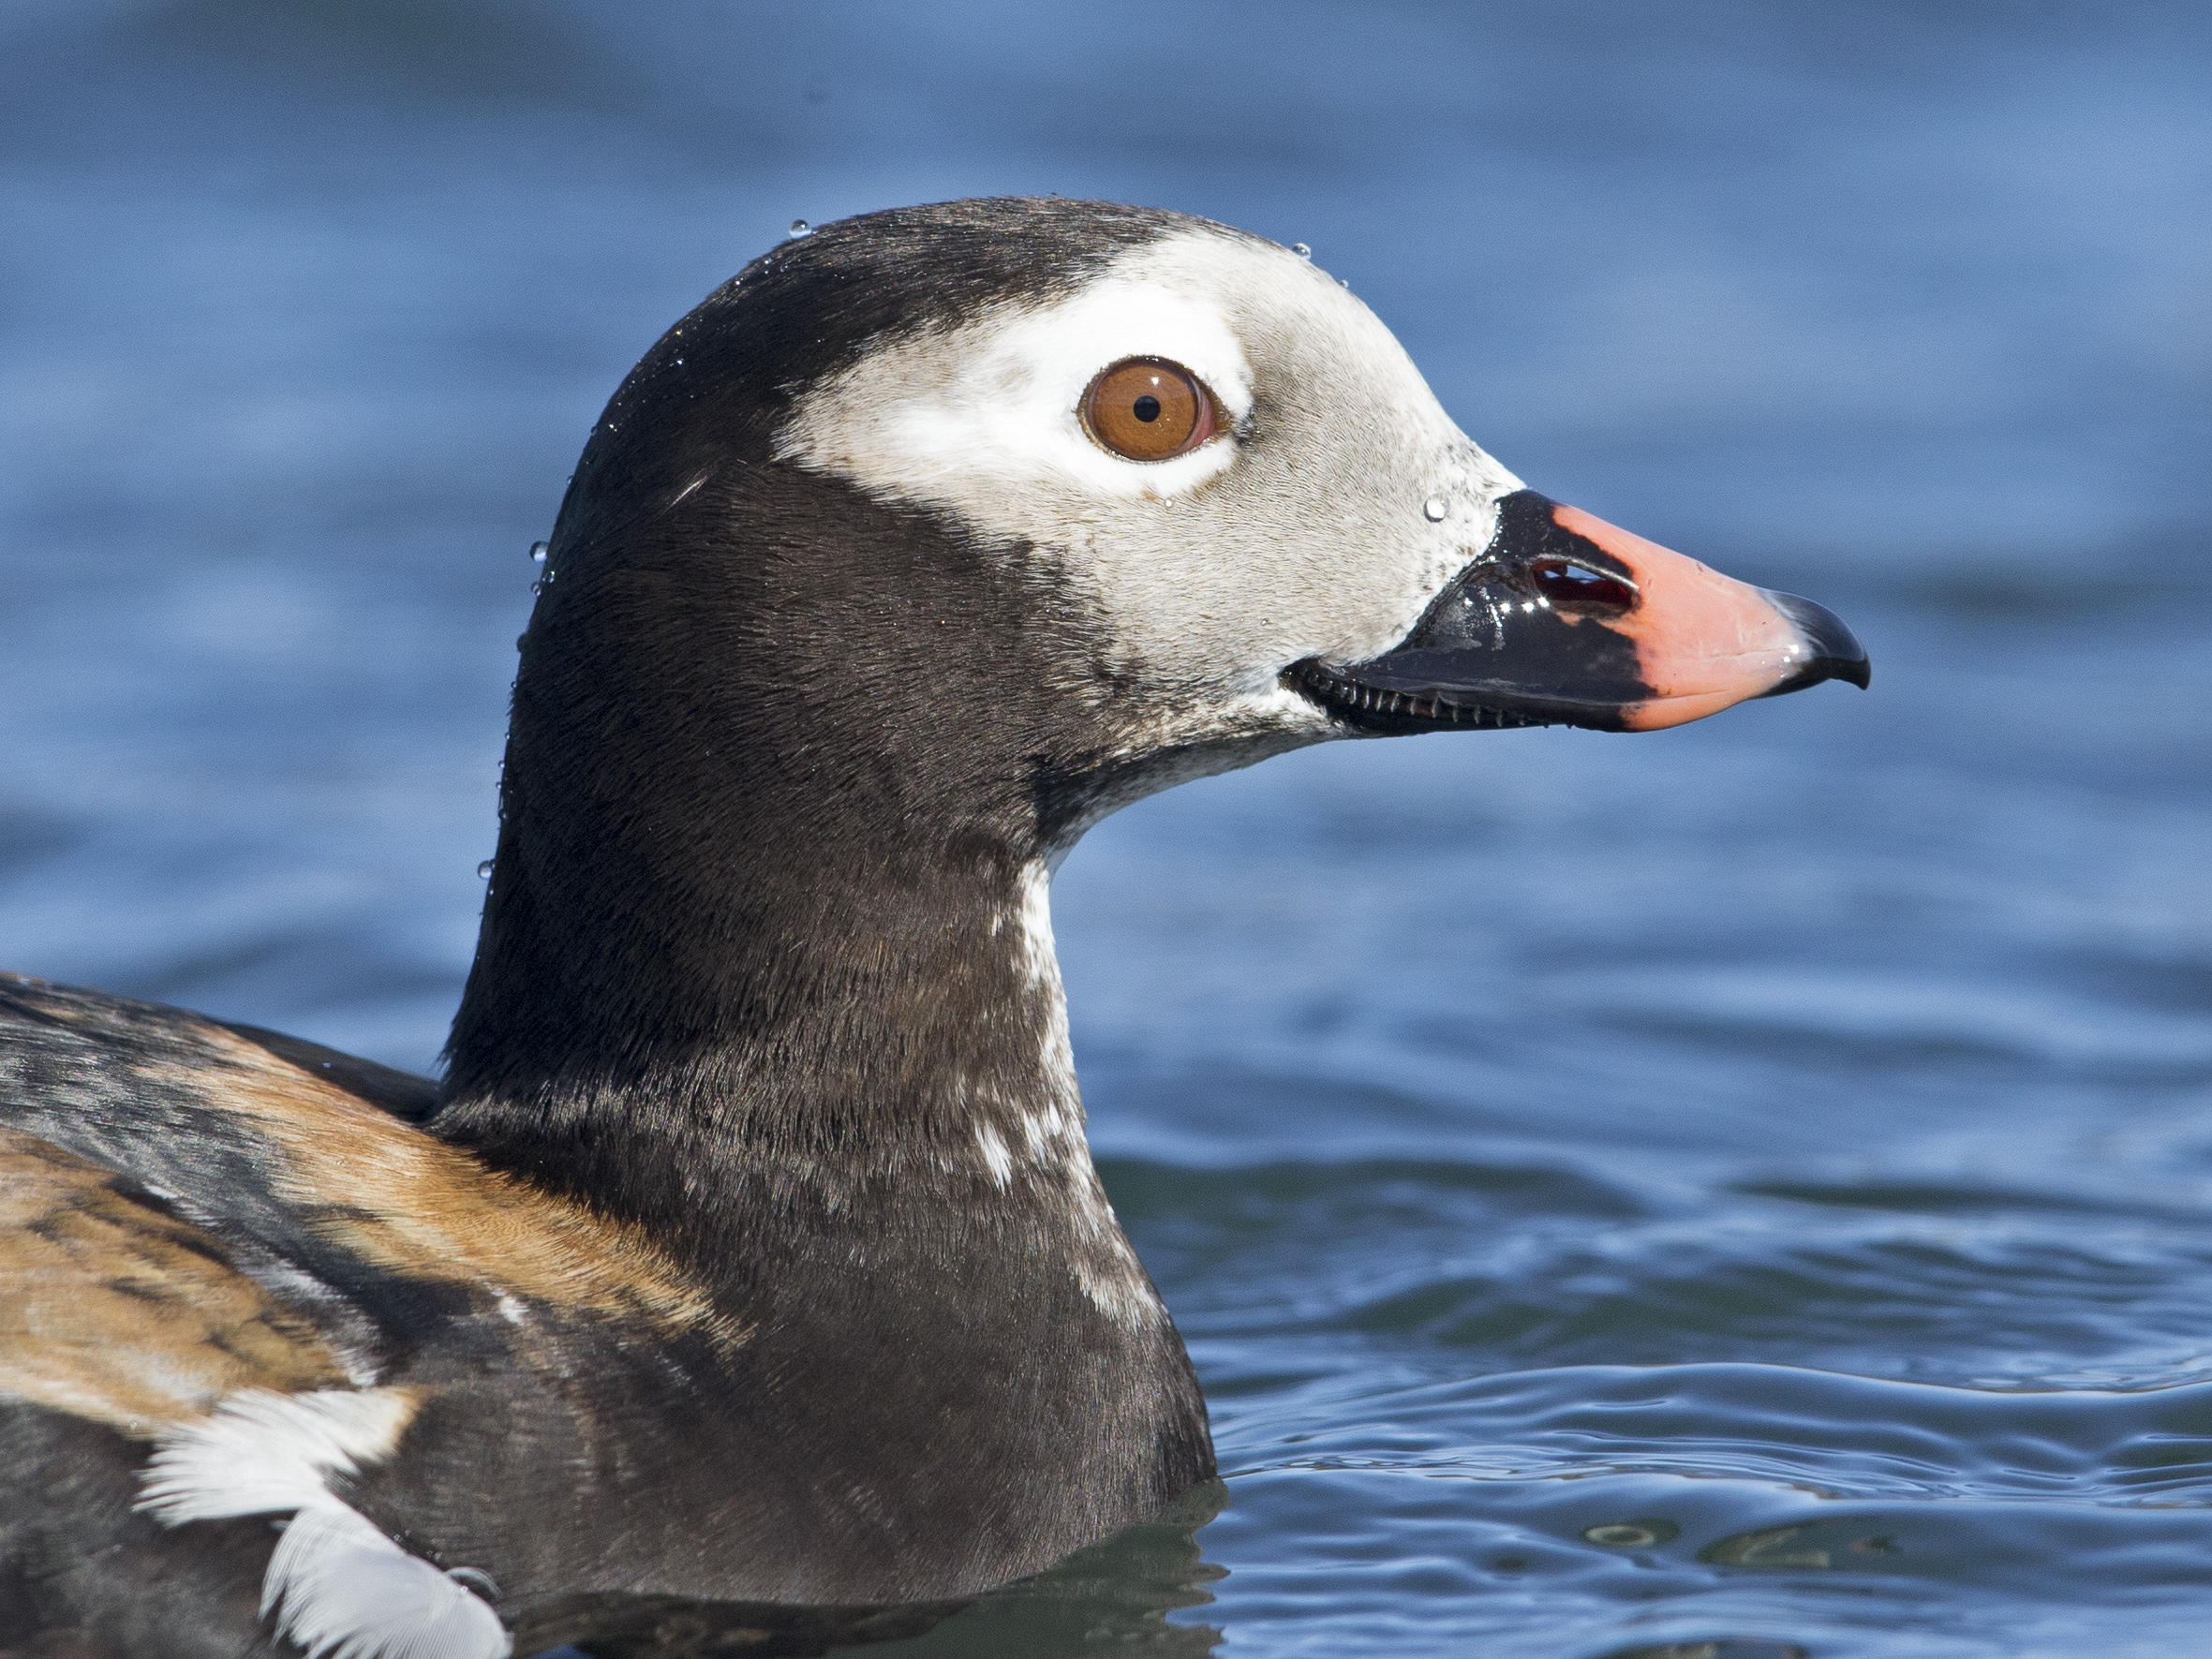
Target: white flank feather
341,1588
263,1453
345,1590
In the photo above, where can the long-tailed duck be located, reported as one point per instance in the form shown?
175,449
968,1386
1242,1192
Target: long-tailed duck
750,1247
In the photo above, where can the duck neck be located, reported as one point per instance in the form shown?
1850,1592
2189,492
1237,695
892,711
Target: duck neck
846,1109
767,932
838,1049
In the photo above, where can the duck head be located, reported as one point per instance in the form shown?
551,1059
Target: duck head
1220,460
937,534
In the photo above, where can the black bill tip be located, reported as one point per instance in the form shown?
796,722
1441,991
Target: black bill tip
1836,653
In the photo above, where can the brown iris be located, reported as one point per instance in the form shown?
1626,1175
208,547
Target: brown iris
1146,409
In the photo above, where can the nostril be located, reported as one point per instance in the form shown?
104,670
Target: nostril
1572,587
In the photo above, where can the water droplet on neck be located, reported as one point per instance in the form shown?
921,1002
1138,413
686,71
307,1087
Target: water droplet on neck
1301,249
483,870
800,228
1343,282
1435,510
538,550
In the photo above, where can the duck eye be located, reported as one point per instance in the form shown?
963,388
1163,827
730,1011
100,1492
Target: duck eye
1146,409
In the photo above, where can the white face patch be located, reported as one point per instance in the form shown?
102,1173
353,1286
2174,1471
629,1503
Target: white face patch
1004,403
340,1588
1339,504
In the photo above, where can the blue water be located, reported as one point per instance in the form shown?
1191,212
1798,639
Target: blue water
1705,1195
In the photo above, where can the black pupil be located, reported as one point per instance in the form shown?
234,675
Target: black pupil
1146,407
1566,583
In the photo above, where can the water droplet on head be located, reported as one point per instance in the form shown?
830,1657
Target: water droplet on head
1301,249
1343,282
538,550
800,228
483,870
1434,509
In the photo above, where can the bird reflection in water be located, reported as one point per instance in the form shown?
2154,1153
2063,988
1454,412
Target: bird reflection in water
1118,1595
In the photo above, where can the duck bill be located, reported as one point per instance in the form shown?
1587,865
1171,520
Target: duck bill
1568,620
